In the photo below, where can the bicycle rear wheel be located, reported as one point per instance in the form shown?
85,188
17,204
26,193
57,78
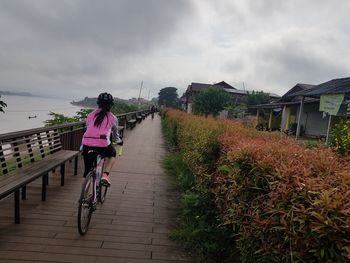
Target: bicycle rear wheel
85,208
102,193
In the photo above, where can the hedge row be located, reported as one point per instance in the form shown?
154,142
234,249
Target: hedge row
282,201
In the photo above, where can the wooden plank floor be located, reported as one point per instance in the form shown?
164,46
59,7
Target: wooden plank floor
132,226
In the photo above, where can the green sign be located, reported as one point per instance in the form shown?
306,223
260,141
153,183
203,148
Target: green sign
330,103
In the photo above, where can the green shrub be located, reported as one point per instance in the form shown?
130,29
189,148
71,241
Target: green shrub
340,137
201,231
174,164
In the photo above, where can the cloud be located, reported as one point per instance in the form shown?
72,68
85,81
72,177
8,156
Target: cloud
77,48
272,45
78,45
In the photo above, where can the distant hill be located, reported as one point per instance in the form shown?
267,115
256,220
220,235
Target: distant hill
86,102
91,102
16,93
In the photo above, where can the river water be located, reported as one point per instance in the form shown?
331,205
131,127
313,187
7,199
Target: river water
20,108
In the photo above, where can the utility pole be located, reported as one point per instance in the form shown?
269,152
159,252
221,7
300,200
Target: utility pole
243,86
140,93
149,91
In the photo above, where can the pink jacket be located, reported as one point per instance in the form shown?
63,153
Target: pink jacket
99,136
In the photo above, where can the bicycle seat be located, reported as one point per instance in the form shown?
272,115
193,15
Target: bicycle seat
93,154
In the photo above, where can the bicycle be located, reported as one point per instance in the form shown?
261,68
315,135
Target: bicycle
92,193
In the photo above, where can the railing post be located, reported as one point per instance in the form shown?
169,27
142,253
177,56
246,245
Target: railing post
30,150
49,139
41,145
3,161
71,144
16,154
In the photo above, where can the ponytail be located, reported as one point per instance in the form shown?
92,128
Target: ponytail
99,117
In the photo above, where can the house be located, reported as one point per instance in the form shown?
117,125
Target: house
283,114
313,122
333,100
194,87
299,109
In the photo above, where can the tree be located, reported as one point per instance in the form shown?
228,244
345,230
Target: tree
82,114
211,100
57,118
235,109
120,107
2,105
168,97
256,98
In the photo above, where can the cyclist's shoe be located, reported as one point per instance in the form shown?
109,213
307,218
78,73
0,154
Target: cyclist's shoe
105,180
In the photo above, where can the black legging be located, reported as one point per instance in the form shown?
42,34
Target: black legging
89,159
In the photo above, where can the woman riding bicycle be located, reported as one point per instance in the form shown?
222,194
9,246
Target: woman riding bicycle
99,126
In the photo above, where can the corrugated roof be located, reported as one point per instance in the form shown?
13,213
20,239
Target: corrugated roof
274,95
280,104
198,86
300,87
225,85
333,86
236,91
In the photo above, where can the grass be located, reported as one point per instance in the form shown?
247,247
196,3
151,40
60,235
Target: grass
200,230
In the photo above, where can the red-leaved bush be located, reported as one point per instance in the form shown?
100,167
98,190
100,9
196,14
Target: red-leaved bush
289,203
286,203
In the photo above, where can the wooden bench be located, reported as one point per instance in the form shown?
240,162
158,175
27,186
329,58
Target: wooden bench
121,131
130,120
27,157
139,117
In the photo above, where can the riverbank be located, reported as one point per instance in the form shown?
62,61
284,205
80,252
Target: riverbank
24,112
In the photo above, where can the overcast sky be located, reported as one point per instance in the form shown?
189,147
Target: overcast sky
76,48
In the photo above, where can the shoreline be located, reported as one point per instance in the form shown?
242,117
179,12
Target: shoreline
20,108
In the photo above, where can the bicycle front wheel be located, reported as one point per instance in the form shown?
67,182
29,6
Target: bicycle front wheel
85,207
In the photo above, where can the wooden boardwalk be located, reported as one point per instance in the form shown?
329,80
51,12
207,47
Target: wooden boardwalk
132,226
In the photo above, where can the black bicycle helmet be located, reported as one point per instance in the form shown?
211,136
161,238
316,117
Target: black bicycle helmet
105,98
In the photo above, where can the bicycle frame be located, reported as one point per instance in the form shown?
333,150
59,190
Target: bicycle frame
98,167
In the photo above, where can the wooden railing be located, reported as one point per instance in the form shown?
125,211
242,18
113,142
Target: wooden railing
71,133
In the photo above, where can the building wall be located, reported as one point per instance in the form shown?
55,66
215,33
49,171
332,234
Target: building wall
284,118
189,108
313,121
291,112
276,120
